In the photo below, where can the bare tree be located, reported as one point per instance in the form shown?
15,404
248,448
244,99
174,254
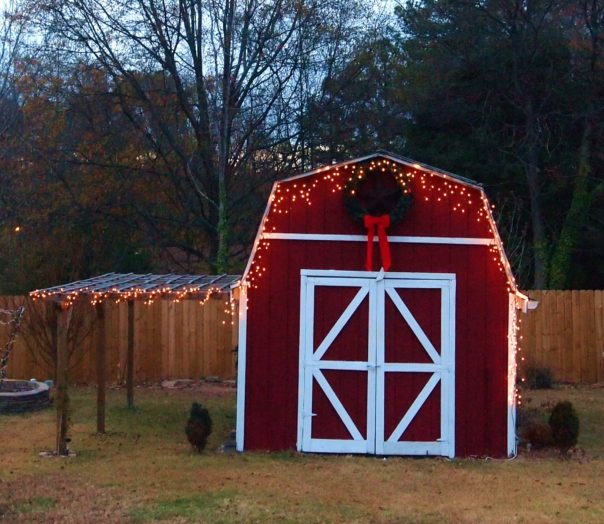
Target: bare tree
39,331
11,32
212,86
12,24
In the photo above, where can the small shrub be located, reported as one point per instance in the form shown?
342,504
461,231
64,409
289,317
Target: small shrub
199,427
533,429
539,378
538,435
564,423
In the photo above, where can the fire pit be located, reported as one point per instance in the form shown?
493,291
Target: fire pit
20,396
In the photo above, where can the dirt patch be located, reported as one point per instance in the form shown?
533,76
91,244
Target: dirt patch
211,388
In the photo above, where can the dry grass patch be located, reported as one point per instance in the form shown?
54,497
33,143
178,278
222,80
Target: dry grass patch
143,470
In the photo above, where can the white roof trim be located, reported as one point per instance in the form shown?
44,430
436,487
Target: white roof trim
399,160
258,238
506,263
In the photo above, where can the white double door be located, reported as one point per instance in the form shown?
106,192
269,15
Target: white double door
377,363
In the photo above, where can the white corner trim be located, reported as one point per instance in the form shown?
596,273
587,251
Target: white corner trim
391,239
241,362
511,393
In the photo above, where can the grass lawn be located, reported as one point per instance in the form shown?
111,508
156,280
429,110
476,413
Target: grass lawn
143,470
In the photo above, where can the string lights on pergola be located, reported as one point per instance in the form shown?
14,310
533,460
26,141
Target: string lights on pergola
116,288
147,288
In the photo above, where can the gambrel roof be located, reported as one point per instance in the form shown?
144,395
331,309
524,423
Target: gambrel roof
412,164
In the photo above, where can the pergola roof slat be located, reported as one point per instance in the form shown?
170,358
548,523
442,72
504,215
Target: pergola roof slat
160,282
226,285
135,282
76,285
144,286
198,281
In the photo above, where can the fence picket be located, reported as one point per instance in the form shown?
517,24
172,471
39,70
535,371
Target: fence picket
186,341
566,334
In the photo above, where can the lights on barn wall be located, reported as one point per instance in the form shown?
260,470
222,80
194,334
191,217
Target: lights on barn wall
428,186
514,350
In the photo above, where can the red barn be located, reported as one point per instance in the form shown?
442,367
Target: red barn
378,316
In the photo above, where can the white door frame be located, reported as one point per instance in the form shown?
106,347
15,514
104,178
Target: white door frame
376,286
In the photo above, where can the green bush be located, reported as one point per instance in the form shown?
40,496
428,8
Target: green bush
199,427
564,423
533,429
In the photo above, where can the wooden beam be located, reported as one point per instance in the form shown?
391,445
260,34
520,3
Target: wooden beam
64,311
130,357
101,368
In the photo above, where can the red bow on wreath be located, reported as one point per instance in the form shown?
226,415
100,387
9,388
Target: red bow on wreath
380,224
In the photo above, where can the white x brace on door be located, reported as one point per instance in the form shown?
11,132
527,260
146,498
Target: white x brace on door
359,383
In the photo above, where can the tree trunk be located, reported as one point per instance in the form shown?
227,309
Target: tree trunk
576,216
222,258
531,169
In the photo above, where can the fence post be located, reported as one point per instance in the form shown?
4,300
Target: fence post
101,367
64,311
130,357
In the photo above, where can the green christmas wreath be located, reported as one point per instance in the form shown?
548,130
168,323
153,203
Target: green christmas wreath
377,188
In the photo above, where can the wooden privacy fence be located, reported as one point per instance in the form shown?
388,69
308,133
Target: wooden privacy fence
171,340
187,340
566,334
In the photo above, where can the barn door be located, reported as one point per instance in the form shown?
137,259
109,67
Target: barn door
376,363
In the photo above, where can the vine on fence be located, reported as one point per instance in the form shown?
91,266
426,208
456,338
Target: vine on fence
14,317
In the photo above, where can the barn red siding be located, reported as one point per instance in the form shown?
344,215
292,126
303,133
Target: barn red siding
273,317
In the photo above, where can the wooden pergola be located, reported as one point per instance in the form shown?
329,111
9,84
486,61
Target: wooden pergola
118,287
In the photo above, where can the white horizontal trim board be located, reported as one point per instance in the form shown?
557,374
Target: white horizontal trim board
338,277
469,241
340,365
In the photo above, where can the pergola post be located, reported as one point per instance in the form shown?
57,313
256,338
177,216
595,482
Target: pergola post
64,311
130,357
101,367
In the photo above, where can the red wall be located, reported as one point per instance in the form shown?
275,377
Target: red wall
274,302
